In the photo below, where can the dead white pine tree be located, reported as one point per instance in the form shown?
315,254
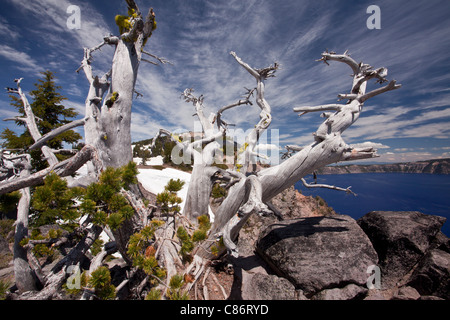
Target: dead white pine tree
24,275
247,197
110,97
203,151
109,105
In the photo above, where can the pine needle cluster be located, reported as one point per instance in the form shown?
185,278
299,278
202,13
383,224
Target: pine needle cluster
142,251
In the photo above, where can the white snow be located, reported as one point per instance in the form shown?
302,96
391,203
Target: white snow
153,161
155,180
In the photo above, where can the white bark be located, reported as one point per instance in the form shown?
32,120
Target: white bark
24,278
347,114
248,156
63,169
110,131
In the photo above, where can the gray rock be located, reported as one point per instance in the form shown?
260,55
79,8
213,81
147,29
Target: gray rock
401,239
266,287
432,275
407,293
375,294
430,298
318,253
349,292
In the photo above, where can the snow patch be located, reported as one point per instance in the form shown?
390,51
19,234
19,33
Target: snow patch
153,161
154,181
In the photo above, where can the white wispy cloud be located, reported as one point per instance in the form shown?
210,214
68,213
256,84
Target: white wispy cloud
197,37
22,60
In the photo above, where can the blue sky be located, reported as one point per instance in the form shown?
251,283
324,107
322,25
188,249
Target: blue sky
197,35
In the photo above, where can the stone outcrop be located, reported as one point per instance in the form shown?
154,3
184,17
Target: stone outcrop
327,257
258,286
318,253
401,239
432,275
292,204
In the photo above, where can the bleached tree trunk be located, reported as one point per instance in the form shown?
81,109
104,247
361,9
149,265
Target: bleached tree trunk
110,97
25,280
203,152
109,104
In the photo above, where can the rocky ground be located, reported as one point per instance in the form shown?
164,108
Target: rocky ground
308,252
333,257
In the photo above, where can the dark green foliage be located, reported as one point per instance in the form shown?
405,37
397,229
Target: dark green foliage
96,248
163,147
75,290
103,200
142,252
9,201
186,243
154,294
218,191
55,201
42,250
140,152
6,226
47,106
100,280
174,185
203,226
174,292
168,200
129,173
4,287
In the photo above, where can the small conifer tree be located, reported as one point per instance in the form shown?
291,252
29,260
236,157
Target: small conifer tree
51,114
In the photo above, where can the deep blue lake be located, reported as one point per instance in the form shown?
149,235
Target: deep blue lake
427,193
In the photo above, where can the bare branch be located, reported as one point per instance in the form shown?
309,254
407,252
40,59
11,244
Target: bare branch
391,86
290,149
161,60
87,59
345,58
265,115
325,107
359,153
18,118
52,134
326,186
63,169
246,101
186,147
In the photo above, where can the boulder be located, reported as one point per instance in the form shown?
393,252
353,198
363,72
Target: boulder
401,239
318,253
432,275
266,287
407,293
349,292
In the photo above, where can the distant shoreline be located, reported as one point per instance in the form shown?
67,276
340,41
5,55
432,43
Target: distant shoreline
434,166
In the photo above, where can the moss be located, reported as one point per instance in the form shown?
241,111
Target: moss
123,22
114,97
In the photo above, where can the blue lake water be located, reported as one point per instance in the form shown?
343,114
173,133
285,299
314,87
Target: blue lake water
427,193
